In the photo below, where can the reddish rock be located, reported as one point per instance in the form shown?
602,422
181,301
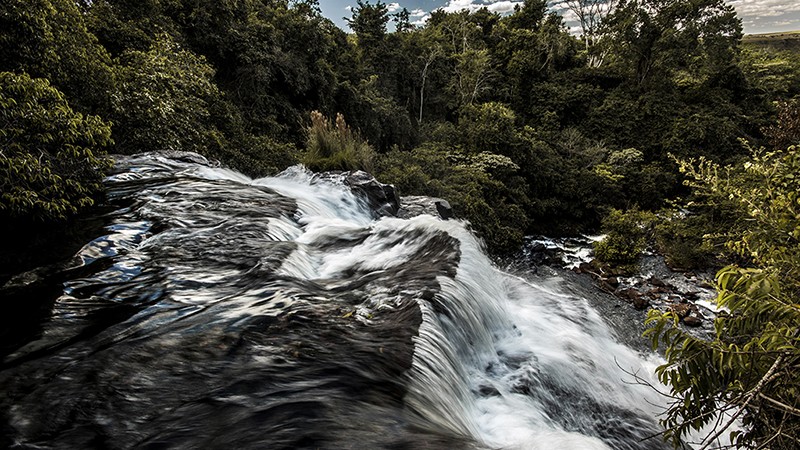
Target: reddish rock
681,310
632,295
641,302
692,321
627,293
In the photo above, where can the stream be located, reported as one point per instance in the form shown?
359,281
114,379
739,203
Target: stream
214,310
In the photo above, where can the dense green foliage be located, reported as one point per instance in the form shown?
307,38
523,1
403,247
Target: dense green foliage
551,134
750,367
51,157
627,234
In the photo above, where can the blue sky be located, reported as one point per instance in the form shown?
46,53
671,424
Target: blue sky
758,16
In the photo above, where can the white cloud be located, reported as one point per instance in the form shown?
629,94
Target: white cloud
417,13
458,5
392,7
767,15
421,21
349,8
503,6
498,6
764,8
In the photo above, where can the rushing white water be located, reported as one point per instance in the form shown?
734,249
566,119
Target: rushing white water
512,363
287,302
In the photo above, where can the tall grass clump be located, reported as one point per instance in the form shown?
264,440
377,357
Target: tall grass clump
334,146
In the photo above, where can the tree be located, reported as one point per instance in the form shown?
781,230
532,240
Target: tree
368,22
590,14
402,21
658,39
275,60
51,157
749,369
122,25
163,100
433,54
49,39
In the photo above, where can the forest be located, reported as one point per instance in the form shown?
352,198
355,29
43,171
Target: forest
655,125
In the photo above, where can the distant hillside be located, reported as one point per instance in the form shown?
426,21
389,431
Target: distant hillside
787,40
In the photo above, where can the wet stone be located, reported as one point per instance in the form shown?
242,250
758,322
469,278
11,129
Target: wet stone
693,321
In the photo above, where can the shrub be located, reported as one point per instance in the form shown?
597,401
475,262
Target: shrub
334,146
470,183
748,368
626,238
51,157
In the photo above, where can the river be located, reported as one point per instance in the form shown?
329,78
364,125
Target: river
215,310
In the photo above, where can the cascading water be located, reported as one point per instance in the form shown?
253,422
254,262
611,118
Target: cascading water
282,313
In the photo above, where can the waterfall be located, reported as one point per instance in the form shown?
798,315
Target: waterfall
222,310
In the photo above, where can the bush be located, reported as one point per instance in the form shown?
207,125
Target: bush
748,368
334,146
627,234
52,156
687,240
494,209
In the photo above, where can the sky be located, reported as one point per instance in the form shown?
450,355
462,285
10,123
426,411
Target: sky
758,16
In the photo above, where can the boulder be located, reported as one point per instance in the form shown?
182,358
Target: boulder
641,302
443,208
584,267
382,198
413,206
681,310
692,321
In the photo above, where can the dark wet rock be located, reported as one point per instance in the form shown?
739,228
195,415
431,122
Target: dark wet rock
382,198
658,282
691,295
692,321
184,334
655,292
538,247
584,267
444,209
488,391
681,310
628,293
636,298
641,302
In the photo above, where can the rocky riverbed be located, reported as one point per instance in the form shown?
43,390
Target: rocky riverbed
690,295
